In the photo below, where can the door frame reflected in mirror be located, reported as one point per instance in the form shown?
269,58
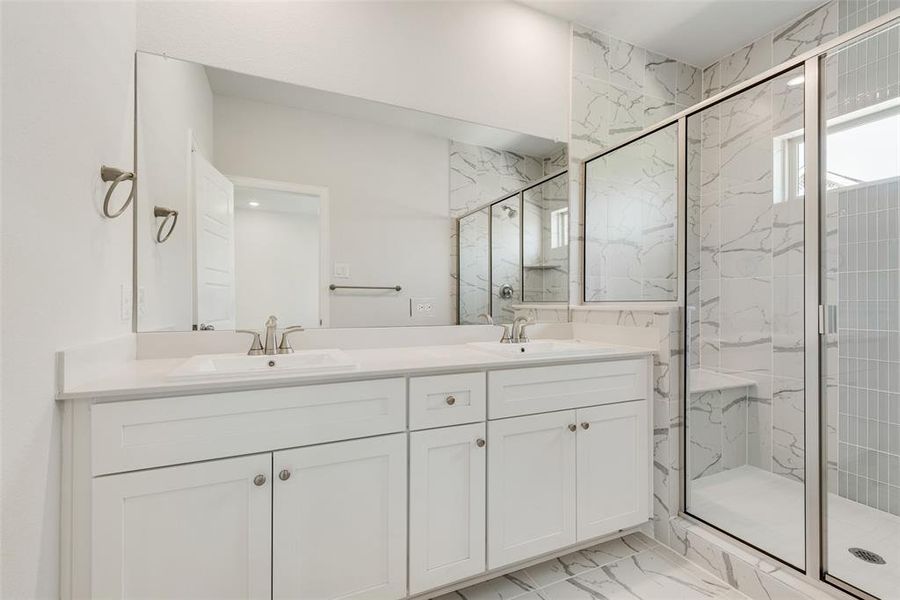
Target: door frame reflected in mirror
321,192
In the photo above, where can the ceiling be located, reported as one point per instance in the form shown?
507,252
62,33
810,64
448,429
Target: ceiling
697,32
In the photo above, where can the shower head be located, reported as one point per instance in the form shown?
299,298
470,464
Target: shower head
510,211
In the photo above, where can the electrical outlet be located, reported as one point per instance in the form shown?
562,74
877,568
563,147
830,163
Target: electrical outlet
125,300
421,307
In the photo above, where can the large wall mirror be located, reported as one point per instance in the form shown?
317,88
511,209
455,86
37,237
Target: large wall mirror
330,211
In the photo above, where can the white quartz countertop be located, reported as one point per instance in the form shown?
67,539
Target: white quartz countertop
138,379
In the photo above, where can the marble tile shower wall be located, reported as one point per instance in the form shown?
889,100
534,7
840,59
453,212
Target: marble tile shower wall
545,264
480,174
618,89
631,221
474,267
750,273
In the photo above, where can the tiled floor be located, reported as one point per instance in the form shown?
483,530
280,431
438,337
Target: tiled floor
768,510
631,568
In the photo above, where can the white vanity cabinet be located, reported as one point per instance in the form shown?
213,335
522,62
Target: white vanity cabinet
379,489
531,486
339,520
613,467
191,531
446,505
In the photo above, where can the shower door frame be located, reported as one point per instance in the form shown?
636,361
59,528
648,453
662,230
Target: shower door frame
815,484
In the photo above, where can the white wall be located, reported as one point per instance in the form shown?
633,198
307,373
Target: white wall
388,194
495,63
67,85
276,268
174,98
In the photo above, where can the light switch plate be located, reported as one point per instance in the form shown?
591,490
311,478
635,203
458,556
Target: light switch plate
342,270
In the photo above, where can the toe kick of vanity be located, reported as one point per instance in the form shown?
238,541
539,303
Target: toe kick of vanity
377,489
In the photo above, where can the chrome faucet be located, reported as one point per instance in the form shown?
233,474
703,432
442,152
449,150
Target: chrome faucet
487,318
518,330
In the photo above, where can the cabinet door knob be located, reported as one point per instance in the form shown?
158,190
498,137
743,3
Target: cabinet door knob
451,400
585,425
259,480
572,427
284,475
480,443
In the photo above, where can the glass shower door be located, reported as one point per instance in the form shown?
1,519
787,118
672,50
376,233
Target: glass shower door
861,294
744,422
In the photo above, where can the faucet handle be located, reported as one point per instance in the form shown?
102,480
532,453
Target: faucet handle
256,347
505,339
285,346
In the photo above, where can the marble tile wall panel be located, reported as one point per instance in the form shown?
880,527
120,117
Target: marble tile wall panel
618,89
506,265
546,265
474,268
717,430
750,274
631,238
480,174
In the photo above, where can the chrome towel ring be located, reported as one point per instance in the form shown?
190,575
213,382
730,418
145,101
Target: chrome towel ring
168,216
117,176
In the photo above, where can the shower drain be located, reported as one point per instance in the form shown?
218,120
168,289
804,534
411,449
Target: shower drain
867,555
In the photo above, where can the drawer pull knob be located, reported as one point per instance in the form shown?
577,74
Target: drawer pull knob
259,480
585,425
284,475
480,443
451,400
572,427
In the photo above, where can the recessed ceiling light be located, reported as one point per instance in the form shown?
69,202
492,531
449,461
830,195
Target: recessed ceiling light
795,81
253,203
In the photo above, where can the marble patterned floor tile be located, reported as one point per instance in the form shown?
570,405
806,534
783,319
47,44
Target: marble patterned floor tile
504,587
645,576
634,567
572,564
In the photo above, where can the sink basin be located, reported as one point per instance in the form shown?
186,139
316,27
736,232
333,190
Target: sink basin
545,348
242,365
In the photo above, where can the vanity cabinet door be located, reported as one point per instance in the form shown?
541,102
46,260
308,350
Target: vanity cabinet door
613,468
192,531
339,523
446,505
531,486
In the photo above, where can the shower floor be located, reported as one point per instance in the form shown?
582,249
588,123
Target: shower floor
767,510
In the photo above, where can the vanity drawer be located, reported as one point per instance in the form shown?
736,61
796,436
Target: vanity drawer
151,433
515,392
440,400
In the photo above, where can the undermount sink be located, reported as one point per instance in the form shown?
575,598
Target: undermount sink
242,365
537,348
